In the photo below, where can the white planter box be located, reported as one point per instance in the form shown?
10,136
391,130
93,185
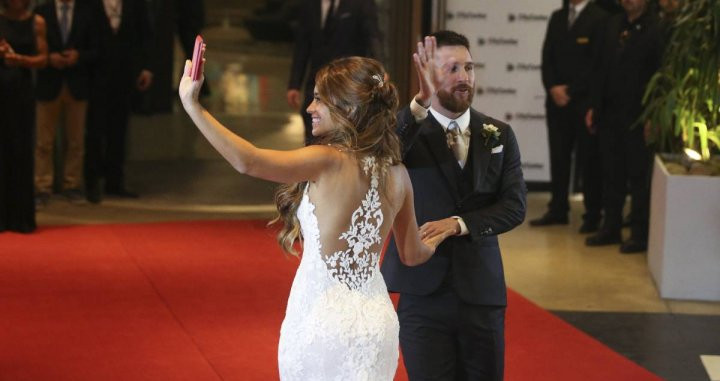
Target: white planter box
684,242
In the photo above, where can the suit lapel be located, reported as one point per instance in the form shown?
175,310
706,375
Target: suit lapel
434,138
481,149
579,19
75,20
53,26
317,12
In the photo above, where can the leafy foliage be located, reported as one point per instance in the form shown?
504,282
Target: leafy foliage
683,98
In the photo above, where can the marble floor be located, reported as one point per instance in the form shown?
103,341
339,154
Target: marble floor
180,177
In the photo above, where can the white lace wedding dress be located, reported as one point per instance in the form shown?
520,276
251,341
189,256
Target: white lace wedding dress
340,323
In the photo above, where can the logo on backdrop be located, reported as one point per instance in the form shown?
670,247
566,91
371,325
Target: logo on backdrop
495,90
523,67
532,165
497,41
526,17
464,15
524,116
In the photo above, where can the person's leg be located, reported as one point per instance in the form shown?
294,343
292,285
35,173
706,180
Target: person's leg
47,118
614,178
114,165
95,133
590,162
427,336
561,134
481,342
561,138
638,165
75,115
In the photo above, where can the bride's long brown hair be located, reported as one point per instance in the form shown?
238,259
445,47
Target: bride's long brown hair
362,104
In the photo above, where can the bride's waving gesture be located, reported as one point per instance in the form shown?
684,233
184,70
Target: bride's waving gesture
341,198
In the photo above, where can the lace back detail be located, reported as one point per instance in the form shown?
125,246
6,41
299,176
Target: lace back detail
358,263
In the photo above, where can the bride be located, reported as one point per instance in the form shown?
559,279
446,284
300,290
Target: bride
341,198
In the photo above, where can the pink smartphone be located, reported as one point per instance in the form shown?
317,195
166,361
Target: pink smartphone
197,59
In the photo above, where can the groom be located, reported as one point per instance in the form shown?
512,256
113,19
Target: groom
466,176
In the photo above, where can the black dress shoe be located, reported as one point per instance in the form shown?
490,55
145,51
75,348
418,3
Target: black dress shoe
589,227
603,238
121,192
632,246
549,219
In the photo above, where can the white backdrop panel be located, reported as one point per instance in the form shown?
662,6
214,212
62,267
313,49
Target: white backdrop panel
506,39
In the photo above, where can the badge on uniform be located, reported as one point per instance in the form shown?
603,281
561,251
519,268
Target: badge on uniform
583,40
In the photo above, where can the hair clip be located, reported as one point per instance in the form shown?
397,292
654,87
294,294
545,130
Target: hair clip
379,80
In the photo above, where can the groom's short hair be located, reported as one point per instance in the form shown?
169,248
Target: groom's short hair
450,38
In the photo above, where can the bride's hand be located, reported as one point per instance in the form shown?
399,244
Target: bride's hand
434,241
189,90
424,60
432,233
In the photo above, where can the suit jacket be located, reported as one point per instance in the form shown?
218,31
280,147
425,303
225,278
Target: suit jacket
496,204
631,54
353,32
569,56
82,37
123,54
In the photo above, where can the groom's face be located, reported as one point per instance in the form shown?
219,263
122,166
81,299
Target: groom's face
456,78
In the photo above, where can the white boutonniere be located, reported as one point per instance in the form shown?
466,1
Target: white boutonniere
490,133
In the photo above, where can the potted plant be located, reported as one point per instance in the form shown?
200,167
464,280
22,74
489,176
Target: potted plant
683,107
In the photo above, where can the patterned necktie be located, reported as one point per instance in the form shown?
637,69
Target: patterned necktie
64,22
456,142
572,14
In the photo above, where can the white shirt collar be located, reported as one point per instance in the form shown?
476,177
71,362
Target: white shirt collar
463,120
59,4
580,7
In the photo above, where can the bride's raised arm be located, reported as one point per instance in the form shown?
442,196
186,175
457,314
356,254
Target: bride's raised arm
280,166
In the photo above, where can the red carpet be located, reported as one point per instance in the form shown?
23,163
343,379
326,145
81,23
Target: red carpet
201,301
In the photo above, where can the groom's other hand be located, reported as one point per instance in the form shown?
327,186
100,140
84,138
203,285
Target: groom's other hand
447,227
559,95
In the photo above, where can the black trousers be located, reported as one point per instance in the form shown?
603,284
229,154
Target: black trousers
106,133
626,164
444,338
567,132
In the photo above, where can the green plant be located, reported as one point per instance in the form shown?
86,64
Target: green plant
682,100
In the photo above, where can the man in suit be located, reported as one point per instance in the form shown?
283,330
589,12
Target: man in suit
570,50
467,179
63,86
329,29
631,53
123,64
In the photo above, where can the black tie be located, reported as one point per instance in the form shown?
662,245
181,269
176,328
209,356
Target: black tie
329,16
64,22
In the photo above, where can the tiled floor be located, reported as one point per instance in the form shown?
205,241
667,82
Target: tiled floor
180,177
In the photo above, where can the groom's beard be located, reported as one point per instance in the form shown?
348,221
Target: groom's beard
455,102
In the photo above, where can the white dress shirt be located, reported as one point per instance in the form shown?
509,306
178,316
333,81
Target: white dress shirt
113,10
420,113
58,12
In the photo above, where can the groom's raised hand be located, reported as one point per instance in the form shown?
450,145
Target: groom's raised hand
424,60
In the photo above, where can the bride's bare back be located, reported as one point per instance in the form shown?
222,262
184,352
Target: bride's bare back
355,206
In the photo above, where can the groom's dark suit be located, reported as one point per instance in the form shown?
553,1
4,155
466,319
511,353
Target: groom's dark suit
489,195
